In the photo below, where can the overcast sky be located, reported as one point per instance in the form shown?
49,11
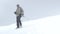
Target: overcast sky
33,9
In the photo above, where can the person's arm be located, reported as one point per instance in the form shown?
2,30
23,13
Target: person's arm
22,12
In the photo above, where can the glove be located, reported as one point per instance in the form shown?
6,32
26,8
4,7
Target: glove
14,12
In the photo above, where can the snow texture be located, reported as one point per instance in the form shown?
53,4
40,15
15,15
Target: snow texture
47,25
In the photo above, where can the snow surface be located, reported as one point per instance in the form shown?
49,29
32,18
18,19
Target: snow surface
47,25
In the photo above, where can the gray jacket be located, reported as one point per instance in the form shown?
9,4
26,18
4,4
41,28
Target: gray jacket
19,11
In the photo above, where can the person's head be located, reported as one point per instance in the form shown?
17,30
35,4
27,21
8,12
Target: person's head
17,5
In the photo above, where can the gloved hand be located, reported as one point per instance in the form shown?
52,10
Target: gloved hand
14,12
23,16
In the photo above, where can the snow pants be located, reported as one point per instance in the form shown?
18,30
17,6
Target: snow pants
19,21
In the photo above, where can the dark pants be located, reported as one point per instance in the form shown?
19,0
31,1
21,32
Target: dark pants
19,21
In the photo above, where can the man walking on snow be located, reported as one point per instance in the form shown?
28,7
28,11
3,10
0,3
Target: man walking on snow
19,13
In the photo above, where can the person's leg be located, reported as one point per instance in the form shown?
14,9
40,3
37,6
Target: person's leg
20,21
17,21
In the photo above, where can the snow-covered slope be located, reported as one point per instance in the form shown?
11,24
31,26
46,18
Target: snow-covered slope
47,25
